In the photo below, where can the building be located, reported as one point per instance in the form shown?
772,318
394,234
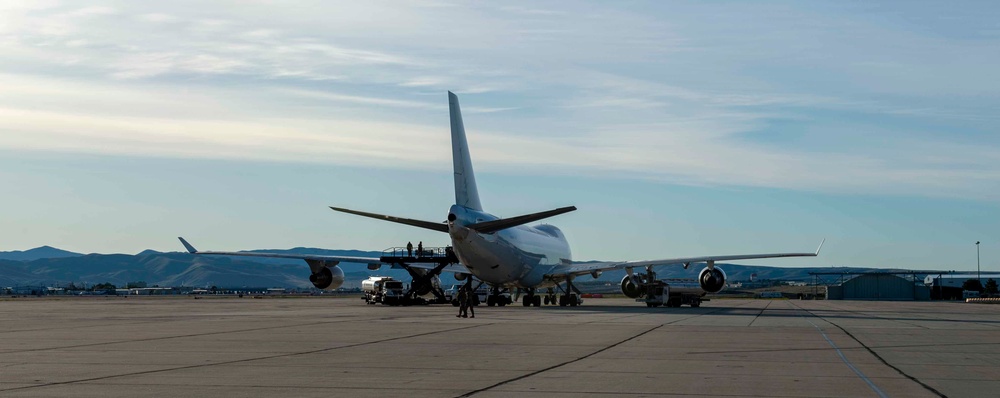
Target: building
948,286
878,286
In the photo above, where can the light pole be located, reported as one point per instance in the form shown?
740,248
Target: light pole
978,276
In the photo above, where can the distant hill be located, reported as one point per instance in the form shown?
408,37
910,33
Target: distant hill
179,269
183,269
37,253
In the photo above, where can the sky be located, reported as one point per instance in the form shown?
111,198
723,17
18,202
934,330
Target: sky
677,128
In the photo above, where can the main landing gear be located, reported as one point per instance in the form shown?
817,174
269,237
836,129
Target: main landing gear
571,295
550,297
568,297
531,298
498,297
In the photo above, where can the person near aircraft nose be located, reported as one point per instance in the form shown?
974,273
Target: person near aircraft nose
463,302
469,301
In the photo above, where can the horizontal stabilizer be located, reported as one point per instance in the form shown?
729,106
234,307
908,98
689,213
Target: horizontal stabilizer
487,227
440,227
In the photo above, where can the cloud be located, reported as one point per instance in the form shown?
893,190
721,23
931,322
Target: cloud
766,96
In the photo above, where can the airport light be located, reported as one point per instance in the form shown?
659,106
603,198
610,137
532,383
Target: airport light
978,275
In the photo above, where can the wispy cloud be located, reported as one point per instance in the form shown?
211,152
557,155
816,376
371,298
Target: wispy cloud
641,91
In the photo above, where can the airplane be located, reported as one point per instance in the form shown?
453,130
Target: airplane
507,253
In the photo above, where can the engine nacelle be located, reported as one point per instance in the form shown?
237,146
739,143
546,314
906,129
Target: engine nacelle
712,280
329,278
460,276
629,287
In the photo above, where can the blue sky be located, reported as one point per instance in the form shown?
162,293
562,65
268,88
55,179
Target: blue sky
677,128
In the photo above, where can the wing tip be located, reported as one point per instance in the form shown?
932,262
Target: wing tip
188,246
820,246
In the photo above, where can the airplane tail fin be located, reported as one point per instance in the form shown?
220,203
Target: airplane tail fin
466,193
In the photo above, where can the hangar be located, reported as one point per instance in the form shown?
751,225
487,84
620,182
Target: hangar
879,286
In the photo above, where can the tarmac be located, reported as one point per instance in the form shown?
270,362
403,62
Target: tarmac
305,347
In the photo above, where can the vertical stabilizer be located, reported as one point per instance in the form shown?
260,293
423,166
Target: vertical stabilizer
466,193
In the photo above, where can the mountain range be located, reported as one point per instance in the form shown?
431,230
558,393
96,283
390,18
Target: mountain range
48,266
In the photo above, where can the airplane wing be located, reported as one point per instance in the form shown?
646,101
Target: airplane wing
564,270
309,258
313,257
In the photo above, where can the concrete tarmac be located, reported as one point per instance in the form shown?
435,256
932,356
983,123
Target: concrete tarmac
305,347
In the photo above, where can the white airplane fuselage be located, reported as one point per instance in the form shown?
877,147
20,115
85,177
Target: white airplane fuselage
512,257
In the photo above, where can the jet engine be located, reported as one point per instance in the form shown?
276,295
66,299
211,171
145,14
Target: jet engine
712,280
460,276
631,286
328,278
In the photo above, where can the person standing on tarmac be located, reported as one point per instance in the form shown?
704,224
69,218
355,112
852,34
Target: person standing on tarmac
469,301
463,302
409,249
471,297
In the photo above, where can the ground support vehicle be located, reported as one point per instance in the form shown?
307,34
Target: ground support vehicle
384,290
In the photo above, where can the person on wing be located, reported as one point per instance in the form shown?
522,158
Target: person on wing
420,249
409,249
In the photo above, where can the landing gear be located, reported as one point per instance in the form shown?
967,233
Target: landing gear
571,299
531,298
497,298
570,296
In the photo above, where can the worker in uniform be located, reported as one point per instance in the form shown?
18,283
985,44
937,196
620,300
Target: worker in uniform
463,302
409,249
471,297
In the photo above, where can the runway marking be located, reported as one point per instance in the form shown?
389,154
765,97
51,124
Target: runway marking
177,336
870,315
848,362
761,312
871,351
527,375
243,360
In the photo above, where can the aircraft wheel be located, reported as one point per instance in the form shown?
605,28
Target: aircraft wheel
526,301
563,301
490,301
537,300
546,300
696,304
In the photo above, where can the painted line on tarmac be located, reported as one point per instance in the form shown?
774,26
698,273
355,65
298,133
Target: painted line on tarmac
761,312
204,365
848,362
527,375
180,336
871,351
